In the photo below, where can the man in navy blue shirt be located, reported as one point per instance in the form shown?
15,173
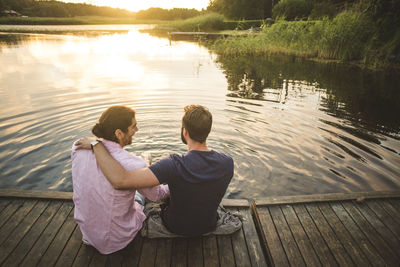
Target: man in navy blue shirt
197,180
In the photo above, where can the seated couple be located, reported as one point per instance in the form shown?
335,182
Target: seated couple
105,181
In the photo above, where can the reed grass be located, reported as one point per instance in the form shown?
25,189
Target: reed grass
209,22
347,37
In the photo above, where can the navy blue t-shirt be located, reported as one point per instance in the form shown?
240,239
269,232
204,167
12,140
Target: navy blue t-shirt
197,182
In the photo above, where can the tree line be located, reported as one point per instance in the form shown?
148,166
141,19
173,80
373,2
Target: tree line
51,8
34,8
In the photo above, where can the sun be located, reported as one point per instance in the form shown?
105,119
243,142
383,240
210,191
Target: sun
136,5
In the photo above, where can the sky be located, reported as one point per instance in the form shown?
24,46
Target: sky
136,5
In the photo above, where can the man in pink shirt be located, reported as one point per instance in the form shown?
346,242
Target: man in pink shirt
109,219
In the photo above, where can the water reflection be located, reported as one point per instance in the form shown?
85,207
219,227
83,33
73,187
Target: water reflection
325,125
366,98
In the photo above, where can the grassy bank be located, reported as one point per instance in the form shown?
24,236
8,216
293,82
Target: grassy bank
348,37
83,20
342,38
211,22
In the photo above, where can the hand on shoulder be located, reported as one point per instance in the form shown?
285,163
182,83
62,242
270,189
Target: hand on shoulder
84,143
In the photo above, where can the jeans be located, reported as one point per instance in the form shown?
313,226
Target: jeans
139,198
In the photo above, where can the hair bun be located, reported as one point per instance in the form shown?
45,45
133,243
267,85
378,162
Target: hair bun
97,130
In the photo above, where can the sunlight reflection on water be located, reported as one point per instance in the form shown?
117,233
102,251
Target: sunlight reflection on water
289,126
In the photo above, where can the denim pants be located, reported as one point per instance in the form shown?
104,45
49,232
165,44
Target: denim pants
139,198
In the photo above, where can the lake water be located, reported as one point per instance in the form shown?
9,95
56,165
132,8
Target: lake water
293,127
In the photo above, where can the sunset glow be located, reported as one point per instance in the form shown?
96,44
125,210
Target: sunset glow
136,5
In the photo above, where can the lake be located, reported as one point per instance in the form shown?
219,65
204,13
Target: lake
292,126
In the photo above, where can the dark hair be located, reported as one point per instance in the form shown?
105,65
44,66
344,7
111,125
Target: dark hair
115,117
197,120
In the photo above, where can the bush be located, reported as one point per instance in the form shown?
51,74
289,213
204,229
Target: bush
292,9
324,9
210,22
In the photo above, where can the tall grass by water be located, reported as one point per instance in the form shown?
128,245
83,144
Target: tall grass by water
209,22
342,38
350,36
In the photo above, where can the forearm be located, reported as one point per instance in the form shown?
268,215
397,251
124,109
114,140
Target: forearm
155,193
111,168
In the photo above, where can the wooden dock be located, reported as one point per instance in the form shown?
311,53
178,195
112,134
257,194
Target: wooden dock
37,229
361,229
196,35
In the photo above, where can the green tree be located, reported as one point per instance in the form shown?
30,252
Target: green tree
292,9
242,9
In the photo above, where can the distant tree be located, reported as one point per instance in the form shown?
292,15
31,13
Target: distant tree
292,9
3,6
242,9
167,14
51,8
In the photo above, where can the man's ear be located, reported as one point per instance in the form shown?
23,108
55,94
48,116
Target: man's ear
118,133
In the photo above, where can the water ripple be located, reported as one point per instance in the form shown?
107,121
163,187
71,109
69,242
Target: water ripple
289,128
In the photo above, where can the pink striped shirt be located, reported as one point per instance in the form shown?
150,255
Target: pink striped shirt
109,219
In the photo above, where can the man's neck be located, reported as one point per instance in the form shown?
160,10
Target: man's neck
197,146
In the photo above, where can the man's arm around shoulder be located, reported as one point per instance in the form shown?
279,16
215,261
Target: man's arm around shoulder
118,176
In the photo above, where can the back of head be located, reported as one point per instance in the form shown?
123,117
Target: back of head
115,117
197,120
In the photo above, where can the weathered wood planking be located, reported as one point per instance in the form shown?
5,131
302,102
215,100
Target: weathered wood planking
39,229
331,231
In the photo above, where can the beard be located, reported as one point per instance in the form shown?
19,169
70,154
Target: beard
182,137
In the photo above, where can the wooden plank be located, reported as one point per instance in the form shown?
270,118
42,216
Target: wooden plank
12,193
15,219
240,248
387,206
327,233
368,249
301,238
71,249
84,256
228,202
253,243
8,211
35,194
147,257
19,232
179,252
321,248
272,241
380,227
226,257
343,235
98,259
34,233
4,203
115,259
374,237
132,252
60,240
210,251
164,248
325,197
289,244
385,217
195,252
395,202
40,247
